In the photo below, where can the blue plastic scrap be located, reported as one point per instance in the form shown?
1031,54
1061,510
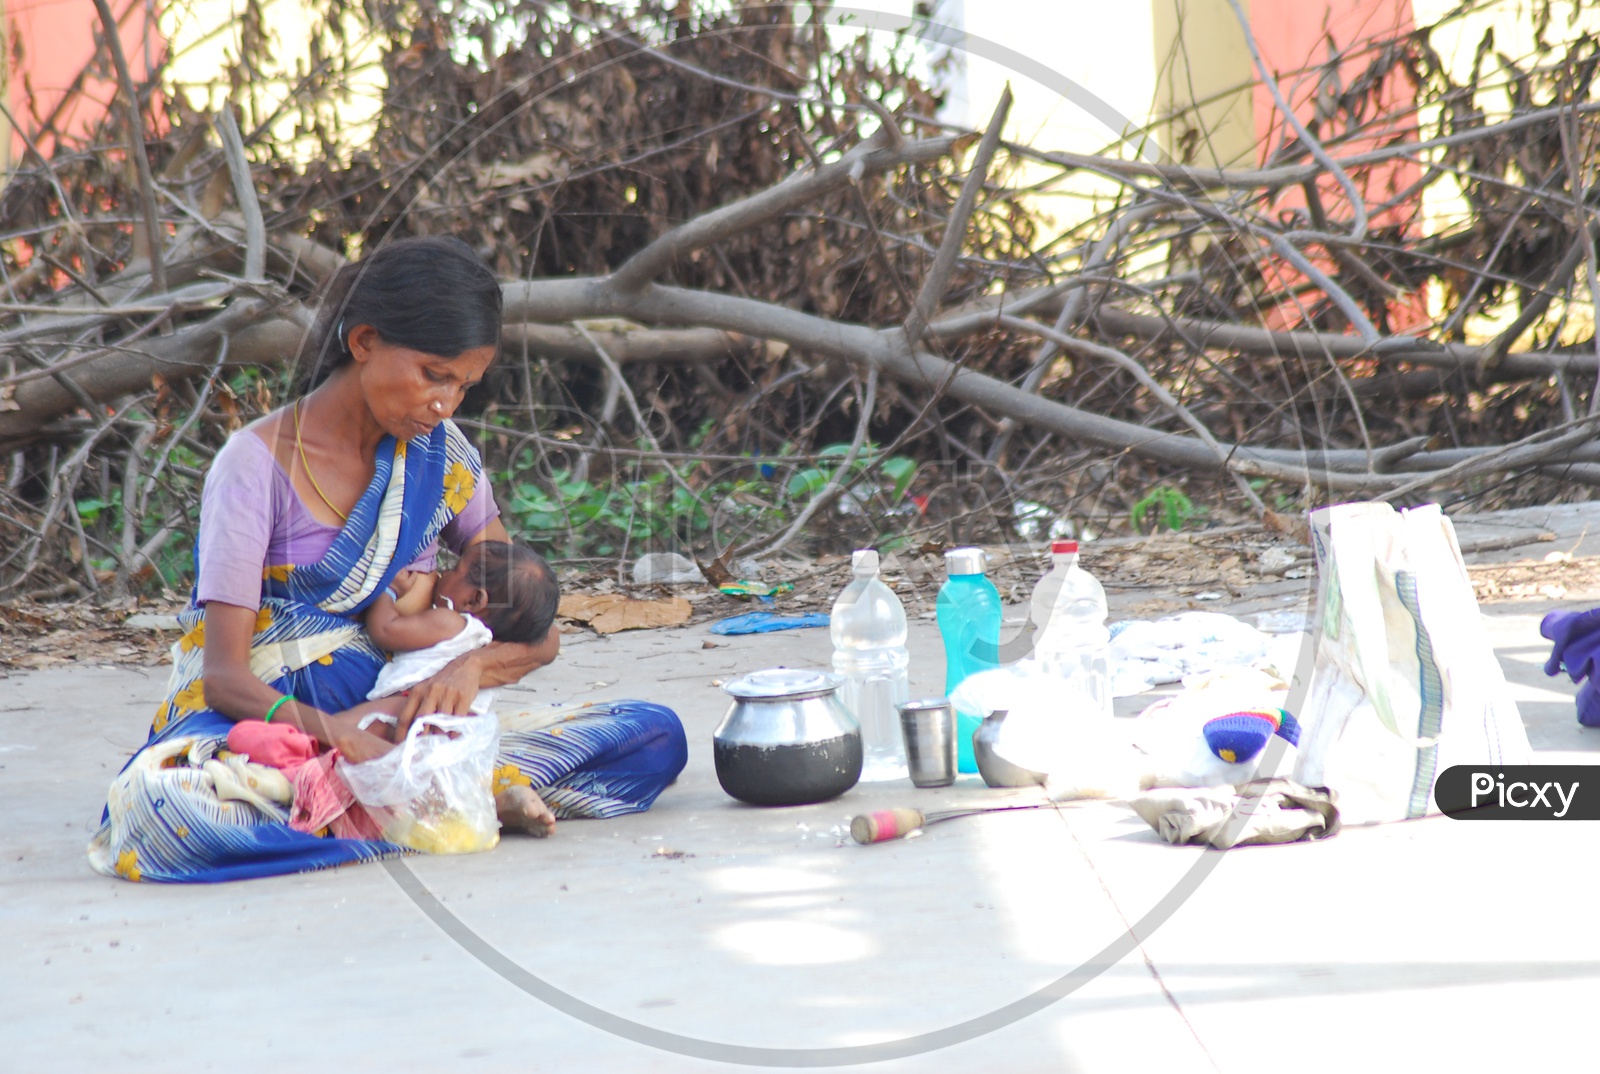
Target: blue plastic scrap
766,623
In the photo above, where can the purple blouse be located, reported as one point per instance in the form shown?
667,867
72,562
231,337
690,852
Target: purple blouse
250,516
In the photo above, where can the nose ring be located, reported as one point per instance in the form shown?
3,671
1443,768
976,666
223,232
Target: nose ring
438,406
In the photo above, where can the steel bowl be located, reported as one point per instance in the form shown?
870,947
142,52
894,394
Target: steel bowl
787,739
995,769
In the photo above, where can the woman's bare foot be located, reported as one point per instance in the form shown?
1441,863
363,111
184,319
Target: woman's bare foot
523,811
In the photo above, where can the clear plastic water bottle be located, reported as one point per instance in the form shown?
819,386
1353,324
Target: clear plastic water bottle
1070,636
968,612
868,626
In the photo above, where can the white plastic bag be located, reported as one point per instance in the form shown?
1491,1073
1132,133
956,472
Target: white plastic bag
1171,732
1052,726
1406,683
1146,653
433,791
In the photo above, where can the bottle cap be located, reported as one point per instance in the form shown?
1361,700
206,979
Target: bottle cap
1063,546
965,561
864,559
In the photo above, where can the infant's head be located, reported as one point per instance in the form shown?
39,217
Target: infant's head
519,590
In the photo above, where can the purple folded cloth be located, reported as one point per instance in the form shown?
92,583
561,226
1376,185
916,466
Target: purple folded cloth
1574,648
1575,642
1589,704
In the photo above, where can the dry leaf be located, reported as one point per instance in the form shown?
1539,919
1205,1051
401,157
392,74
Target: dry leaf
540,166
716,572
608,613
1292,526
8,398
412,58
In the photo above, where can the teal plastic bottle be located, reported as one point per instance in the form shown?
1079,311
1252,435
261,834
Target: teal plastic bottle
968,613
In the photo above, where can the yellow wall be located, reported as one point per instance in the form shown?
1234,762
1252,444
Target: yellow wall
1443,206
1201,60
205,36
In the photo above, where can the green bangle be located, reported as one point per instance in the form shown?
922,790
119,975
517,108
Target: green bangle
276,705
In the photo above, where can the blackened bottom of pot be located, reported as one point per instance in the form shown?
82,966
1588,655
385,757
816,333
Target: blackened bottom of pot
789,775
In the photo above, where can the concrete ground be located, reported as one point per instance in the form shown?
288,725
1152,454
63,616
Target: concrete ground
695,935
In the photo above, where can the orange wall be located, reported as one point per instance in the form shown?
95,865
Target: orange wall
1293,35
57,39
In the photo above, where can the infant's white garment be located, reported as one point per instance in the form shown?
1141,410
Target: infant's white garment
408,669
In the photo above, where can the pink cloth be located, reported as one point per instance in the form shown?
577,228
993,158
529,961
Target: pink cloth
323,800
275,744
251,517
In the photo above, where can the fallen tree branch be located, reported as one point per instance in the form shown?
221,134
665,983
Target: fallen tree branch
626,343
955,228
1303,342
257,337
1295,174
244,192
136,146
1150,384
802,187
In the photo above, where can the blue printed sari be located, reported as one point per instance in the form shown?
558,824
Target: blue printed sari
163,820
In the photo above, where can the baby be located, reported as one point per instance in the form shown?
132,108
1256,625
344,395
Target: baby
498,591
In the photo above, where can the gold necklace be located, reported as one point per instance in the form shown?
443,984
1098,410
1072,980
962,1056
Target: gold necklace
307,466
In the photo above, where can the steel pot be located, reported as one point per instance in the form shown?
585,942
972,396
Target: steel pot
787,740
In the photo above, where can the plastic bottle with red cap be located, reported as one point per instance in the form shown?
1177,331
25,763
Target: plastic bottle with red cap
1070,637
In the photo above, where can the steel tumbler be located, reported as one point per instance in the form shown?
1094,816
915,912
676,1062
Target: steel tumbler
929,727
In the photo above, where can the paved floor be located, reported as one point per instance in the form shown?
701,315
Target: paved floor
705,932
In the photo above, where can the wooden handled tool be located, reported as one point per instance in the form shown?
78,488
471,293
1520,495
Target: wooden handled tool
886,824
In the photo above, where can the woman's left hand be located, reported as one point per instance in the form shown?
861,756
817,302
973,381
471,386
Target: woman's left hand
450,692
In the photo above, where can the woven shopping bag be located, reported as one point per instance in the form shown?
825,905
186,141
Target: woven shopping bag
1405,683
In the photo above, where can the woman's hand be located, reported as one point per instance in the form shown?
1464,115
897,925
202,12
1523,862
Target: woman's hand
354,744
453,689
360,746
451,692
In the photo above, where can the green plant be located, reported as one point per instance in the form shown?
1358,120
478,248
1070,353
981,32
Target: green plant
898,469
1282,502
576,517
579,518
168,510
1163,507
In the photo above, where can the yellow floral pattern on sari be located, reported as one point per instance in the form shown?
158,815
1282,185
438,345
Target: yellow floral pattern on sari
194,639
459,485
279,573
128,865
508,776
191,698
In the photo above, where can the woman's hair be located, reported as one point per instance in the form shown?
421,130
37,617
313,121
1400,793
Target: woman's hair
430,294
523,592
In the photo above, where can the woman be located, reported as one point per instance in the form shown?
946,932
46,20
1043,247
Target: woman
307,515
